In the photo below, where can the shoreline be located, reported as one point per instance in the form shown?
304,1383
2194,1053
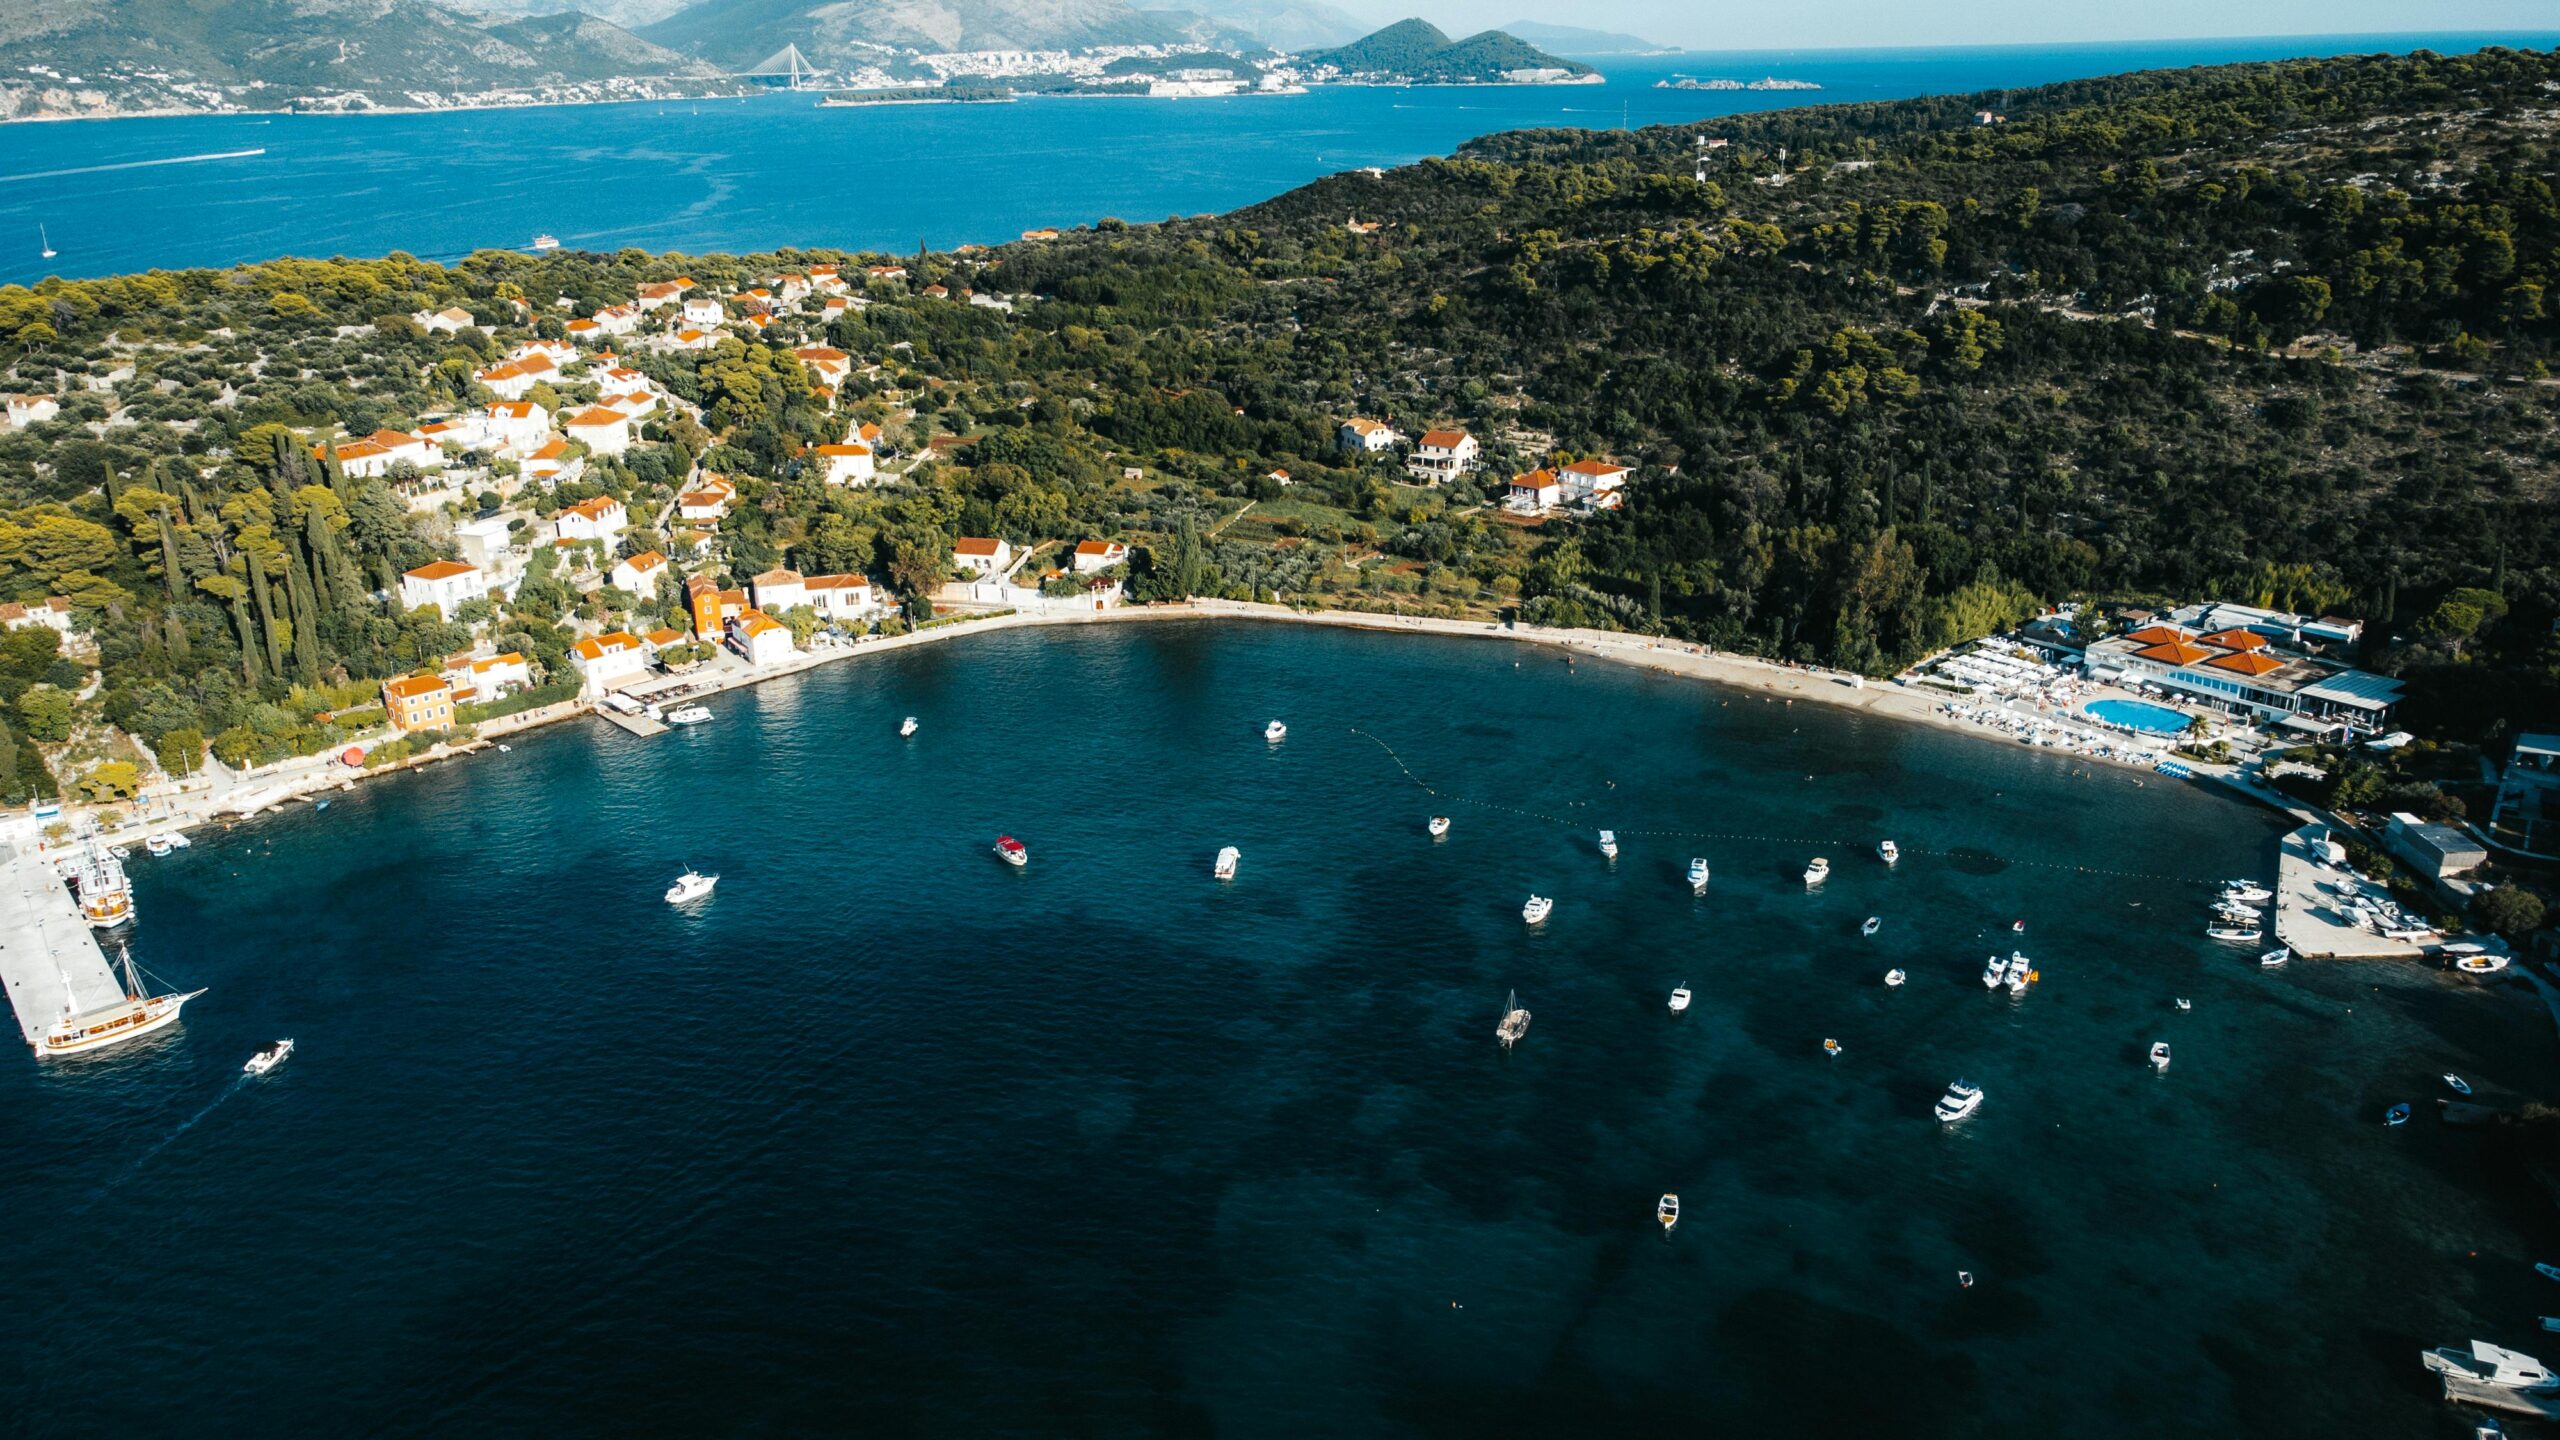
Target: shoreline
309,778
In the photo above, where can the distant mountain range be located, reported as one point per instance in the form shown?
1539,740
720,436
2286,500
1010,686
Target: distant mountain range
1573,40
1282,24
184,51
1417,50
735,34
629,14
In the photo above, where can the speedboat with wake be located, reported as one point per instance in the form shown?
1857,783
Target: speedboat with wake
1698,873
269,1056
1537,909
1962,1099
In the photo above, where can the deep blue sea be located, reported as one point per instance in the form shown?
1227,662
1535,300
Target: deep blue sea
778,171
890,1139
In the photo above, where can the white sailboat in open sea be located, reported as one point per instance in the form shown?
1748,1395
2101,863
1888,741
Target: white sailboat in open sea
44,244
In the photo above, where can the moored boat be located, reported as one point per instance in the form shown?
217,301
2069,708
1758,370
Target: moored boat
1012,852
268,1057
908,727
1225,869
1874,924
1994,971
1438,827
688,715
1515,1022
2482,964
2493,1366
1893,979
690,886
1698,872
1817,872
1275,732
2246,890
1609,844
2396,1115
1890,852
157,845
2019,973
1537,909
138,1013
2236,933
2160,1055
1679,999
1667,1210
2270,959
2456,1083
2548,1270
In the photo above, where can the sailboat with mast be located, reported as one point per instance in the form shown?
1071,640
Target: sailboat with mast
138,1013
1515,1022
44,244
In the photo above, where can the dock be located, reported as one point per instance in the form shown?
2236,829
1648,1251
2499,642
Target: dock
2501,1397
49,956
636,724
2308,917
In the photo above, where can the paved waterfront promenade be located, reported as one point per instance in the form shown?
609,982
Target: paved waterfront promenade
2307,915
46,948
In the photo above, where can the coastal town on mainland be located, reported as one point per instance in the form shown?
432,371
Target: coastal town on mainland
2267,702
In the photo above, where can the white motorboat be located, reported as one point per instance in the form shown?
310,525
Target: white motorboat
908,727
1817,872
2488,1428
1874,924
1679,999
504,749
1012,852
2270,959
1831,1048
1698,873
2492,1365
269,1056
1225,869
2483,964
1994,971
1890,852
2235,910
546,242
2235,933
2456,1083
2247,890
2020,973
106,897
2017,927
689,715
177,839
1667,1210
1609,844
157,845
2185,1004
1893,979
1537,908
690,886
1438,827
1275,732
1962,1099
2160,1055
1515,1022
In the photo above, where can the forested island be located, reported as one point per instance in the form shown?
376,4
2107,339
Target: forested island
2277,332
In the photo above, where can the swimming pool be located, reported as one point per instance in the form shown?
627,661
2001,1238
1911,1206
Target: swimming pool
2139,715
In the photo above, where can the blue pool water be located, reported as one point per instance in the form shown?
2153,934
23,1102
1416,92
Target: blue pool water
2139,715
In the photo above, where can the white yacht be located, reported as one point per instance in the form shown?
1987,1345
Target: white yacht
1667,1210
1874,924
1515,1022
1226,866
2273,958
2248,890
157,845
2492,1365
1012,852
1275,732
1679,999
690,886
269,1056
2237,932
1817,872
1537,908
2185,1004
1994,970
1893,979
106,898
1890,852
2021,974
2160,1055
689,715
139,1013
2234,910
546,242
1438,827
1962,1099
908,727
1609,844
1698,873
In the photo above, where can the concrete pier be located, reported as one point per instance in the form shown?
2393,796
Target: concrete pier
2308,917
49,956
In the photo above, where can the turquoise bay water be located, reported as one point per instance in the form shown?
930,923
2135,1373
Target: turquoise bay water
2139,715
888,1138
778,171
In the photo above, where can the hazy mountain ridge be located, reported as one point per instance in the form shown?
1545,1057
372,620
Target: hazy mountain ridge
738,33
1420,51
1575,40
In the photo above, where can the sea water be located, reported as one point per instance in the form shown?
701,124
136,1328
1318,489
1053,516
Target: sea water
740,175
888,1137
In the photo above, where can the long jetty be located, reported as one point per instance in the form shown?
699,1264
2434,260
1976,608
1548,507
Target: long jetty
49,957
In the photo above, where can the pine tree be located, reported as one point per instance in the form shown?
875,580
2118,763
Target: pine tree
266,617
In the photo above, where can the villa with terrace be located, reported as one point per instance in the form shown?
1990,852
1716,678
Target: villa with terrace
2243,668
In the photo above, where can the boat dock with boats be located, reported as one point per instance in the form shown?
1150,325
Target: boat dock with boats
67,996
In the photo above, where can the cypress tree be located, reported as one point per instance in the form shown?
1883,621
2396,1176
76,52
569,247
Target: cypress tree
266,617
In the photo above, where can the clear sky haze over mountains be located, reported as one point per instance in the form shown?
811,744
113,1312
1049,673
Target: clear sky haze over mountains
1849,23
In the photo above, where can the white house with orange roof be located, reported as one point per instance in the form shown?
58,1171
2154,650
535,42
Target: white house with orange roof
620,382
517,427
511,379
690,340
835,305
1535,493
707,501
1092,555
600,518
448,585
1442,455
828,364
833,597
549,463
52,612
826,280
478,679
558,352
702,311
658,294
759,637
601,428
849,464
981,555
884,272
611,660
1368,437
618,319
790,287
1594,484
639,574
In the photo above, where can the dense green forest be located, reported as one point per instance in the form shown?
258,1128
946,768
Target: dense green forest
2275,333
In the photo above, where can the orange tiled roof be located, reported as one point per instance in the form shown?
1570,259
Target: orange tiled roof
2157,635
2246,662
1442,439
411,687
438,570
2175,652
2235,639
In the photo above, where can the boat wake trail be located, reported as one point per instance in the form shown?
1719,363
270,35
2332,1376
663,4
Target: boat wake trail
1816,841
132,165
165,1141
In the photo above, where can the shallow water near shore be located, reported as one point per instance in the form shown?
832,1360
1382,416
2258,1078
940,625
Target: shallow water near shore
889,1138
